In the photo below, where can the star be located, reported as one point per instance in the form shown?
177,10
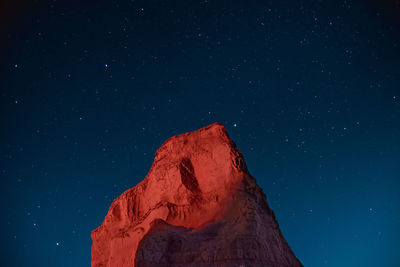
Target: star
234,125
371,210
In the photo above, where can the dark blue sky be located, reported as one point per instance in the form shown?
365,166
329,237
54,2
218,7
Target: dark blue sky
309,91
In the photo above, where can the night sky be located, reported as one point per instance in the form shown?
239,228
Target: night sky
309,91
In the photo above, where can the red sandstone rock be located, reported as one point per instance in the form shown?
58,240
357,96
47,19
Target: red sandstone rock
198,206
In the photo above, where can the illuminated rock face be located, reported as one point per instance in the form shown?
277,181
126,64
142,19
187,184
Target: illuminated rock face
198,206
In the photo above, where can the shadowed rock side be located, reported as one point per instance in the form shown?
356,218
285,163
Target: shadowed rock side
198,206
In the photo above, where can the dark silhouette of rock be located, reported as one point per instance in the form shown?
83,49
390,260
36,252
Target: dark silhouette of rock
198,206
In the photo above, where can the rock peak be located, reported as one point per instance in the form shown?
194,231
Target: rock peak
213,125
198,206
216,130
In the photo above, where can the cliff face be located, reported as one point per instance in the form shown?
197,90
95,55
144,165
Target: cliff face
198,206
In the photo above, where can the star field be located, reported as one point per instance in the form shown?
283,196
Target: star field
309,91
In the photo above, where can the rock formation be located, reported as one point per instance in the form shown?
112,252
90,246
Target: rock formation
198,206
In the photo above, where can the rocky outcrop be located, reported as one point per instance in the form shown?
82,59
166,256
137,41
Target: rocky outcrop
198,206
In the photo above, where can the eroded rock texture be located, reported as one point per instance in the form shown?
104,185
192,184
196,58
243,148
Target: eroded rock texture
198,206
